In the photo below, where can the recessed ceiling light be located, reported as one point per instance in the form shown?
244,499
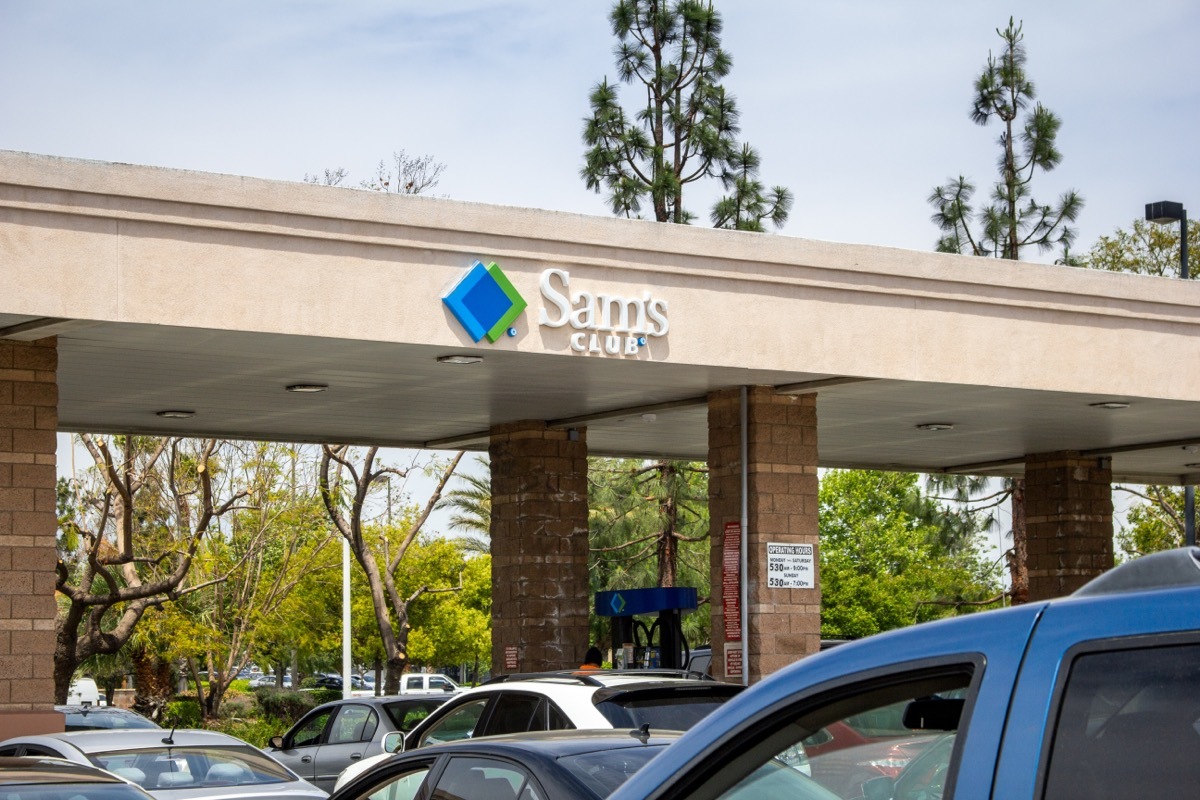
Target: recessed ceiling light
307,388
176,414
1110,405
649,417
936,426
459,359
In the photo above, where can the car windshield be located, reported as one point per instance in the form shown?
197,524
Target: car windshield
604,770
75,791
405,716
662,711
171,767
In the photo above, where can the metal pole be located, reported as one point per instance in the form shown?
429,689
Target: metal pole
346,687
1189,492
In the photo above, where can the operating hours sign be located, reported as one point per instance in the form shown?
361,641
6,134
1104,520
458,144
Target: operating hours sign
791,566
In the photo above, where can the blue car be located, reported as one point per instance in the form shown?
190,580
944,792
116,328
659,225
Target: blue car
1095,696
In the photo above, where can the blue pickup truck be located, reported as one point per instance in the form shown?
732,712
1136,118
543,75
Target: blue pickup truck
1092,696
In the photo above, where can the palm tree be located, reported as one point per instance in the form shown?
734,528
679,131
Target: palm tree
470,504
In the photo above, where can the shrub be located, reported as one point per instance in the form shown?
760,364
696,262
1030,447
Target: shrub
182,712
325,695
284,704
257,732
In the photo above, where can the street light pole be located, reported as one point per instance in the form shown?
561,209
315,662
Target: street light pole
1163,213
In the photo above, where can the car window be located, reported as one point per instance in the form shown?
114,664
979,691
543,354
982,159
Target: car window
604,770
1129,720
515,712
891,737
175,767
467,778
354,723
311,729
666,709
405,716
459,723
556,720
399,787
414,682
438,683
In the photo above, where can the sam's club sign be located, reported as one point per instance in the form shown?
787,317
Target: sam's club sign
486,304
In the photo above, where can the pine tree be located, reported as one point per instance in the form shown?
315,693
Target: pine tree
687,130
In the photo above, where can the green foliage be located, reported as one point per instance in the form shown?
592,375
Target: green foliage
648,524
182,712
470,504
452,622
882,567
1145,249
1013,220
257,732
284,703
686,131
322,695
1154,524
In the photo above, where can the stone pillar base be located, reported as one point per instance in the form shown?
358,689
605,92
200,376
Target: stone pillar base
1068,521
540,597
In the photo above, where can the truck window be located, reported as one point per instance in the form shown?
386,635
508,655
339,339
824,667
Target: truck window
891,737
1129,720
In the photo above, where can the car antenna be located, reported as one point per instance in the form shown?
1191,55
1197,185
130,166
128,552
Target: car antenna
170,737
642,733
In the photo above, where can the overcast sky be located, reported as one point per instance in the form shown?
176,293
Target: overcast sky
859,107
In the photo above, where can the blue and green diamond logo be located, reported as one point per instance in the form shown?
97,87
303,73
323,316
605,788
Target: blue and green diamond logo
485,302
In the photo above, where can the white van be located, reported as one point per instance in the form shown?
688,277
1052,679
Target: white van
83,692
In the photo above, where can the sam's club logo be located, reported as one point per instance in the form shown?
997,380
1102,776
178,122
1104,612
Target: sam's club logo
485,302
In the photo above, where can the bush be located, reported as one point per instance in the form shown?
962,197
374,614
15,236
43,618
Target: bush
285,704
257,732
325,695
182,712
239,686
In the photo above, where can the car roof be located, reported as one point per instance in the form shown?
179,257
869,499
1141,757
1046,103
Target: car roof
30,770
100,741
555,744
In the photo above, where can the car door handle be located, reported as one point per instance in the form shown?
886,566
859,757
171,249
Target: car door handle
355,756
306,760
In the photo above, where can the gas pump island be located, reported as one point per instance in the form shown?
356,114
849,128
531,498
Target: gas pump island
658,645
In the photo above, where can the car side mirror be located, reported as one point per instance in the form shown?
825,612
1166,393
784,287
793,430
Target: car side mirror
447,688
393,742
933,714
276,742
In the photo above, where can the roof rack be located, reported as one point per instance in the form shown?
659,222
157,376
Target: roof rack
1170,568
588,677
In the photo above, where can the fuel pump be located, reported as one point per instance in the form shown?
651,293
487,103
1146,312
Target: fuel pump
659,644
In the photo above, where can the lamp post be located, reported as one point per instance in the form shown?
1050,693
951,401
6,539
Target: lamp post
1164,213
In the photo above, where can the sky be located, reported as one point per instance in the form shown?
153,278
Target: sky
860,107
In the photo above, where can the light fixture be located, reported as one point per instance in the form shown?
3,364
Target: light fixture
649,417
1109,405
936,426
459,359
307,388
176,414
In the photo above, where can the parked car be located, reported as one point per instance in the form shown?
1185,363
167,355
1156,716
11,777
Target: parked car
591,699
555,765
427,683
56,779
87,718
1088,696
332,736
83,691
173,765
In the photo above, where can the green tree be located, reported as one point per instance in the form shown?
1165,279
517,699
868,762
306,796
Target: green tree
649,527
1014,220
882,567
686,131
470,506
449,627
128,535
345,484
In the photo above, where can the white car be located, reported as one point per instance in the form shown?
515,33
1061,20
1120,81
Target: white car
174,765
666,700
83,691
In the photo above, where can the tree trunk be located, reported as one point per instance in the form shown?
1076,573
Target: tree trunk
1018,559
153,683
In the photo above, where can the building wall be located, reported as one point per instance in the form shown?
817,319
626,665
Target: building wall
1068,521
28,423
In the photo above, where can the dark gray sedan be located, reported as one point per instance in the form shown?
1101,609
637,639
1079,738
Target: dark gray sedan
335,735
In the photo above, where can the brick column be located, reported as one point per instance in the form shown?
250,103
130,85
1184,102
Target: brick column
540,595
1068,521
28,425
784,624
